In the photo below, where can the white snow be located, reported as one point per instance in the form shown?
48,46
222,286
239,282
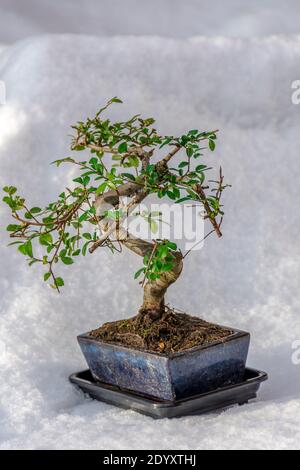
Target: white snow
249,279
167,18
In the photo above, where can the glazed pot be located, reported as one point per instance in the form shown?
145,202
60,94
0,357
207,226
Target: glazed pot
168,377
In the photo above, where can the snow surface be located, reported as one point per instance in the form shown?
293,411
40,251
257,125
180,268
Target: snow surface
249,279
172,18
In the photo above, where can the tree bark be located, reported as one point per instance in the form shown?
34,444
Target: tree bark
154,291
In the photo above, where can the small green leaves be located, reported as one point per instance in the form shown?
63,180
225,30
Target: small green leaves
35,210
63,160
171,245
116,100
122,147
59,281
212,145
47,276
189,151
23,249
13,228
10,190
68,227
139,272
84,248
88,236
46,239
131,161
67,260
26,249
160,261
183,199
101,188
29,248
13,201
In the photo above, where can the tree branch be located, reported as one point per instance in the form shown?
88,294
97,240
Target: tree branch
170,155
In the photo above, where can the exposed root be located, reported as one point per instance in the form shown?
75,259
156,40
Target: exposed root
173,332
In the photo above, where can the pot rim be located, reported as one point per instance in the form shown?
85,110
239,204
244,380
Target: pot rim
235,335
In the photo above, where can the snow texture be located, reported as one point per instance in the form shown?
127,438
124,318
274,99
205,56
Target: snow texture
249,279
168,18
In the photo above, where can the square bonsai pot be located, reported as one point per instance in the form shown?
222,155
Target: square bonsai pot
168,377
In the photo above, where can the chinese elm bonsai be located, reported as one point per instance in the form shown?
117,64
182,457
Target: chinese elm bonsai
120,173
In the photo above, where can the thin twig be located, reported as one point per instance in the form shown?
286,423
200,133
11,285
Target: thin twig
200,241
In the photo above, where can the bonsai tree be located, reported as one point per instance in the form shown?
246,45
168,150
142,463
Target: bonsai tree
89,215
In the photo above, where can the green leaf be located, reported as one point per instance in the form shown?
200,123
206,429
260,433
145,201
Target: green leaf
183,199
78,180
122,147
172,245
15,243
87,235
46,276
164,251
13,228
29,248
182,164
84,216
85,180
167,267
78,148
101,188
171,195
64,160
59,281
212,145
26,249
111,185
35,210
23,249
67,260
84,248
116,100
8,200
200,168
94,162
128,176
10,190
176,192
139,272
46,239
189,151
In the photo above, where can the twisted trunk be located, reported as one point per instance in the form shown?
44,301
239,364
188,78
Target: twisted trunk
154,291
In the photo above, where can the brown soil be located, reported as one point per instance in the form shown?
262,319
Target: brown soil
173,332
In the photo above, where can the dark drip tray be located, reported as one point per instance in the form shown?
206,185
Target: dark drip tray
197,404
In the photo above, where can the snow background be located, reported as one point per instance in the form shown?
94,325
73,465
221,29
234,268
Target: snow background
249,279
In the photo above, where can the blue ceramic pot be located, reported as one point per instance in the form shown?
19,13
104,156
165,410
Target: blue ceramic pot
168,377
